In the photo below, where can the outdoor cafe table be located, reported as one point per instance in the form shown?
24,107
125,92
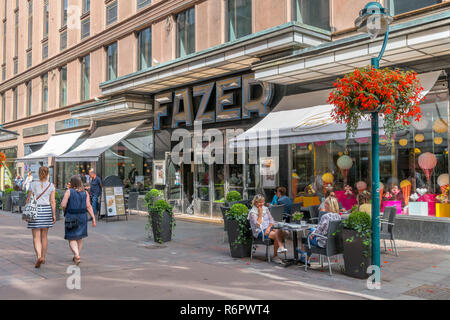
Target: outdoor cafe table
294,228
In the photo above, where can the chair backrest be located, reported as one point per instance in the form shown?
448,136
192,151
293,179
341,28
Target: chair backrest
277,212
314,212
22,198
133,200
296,207
391,218
333,247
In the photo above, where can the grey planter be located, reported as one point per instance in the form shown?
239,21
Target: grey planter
7,203
162,228
355,262
240,250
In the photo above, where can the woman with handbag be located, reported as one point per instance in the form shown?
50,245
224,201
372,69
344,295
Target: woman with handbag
44,193
76,204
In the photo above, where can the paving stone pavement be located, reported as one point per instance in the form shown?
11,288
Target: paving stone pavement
119,261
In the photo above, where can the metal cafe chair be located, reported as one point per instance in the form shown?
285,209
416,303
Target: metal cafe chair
314,214
387,227
132,203
277,213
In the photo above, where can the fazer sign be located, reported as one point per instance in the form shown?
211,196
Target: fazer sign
230,99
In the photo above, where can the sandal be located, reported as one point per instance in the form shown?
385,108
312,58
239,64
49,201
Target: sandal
38,263
76,260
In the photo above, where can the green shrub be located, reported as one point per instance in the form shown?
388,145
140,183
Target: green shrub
58,201
362,224
239,212
233,196
9,191
159,207
152,195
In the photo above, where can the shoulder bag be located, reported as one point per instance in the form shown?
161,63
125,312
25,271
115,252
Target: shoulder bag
30,211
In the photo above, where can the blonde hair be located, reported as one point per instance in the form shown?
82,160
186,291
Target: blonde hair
43,173
257,199
332,203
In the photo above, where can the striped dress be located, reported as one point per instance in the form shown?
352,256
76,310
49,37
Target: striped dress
44,218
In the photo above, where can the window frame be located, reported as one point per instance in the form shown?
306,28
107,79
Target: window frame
139,49
228,21
63,88
44,87
116,61
83,95
29,103
186,13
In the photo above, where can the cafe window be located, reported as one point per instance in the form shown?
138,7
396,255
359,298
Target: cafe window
219,182
132,161
186,32
397,7
314,13
399,162
239,18
10,168
203,178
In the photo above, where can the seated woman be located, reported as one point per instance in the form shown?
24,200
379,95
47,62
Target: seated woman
315,234
262,223
333,195
364,202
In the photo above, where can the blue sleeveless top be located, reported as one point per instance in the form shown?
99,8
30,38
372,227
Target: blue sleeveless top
77,202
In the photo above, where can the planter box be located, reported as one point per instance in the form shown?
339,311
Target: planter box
397,204
162,228
240,250
7,203
443,210
355,262
418,209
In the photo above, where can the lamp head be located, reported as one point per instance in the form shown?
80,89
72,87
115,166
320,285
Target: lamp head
373,20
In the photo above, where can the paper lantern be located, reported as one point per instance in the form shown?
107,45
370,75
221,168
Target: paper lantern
440,126
422,124
344,162
417,151
403,142
438,140
419,137
327,178
427,162
361,186
443,180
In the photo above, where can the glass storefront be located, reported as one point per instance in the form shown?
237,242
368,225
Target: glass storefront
399,161
9,171
132,161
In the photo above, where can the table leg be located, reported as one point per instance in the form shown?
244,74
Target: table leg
290,262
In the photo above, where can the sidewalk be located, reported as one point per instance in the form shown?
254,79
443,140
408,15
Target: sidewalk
120,262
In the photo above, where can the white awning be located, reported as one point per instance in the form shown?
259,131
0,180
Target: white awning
55,146
101,140
306,118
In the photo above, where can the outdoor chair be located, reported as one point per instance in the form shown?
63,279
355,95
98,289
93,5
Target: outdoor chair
224,211
132,203
332,246
314,214
277,213
387,227
296,207
18,199
266,242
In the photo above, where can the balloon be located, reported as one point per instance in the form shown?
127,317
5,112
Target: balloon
345,162
427,161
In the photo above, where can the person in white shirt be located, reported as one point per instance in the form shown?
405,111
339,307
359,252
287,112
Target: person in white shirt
28,181
44,192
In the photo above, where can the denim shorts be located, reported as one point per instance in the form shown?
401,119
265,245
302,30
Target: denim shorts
313,241
263,233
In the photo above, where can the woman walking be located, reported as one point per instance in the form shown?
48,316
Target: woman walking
76,204
44,192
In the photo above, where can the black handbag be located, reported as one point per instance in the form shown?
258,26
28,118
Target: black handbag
71,223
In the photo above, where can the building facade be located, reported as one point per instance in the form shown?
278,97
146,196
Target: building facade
143,69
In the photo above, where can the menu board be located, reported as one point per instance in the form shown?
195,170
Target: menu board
115,203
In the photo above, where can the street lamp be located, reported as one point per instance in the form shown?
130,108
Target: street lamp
375,20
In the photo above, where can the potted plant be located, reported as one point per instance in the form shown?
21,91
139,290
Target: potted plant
152,196
7,200
239,233
232,197
297,217
161,221
416,208
356,234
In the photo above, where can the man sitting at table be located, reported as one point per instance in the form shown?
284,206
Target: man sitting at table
261,222
284,200
316,235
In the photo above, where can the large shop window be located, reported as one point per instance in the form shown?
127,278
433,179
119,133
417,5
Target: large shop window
397,7
314,13
8,172
132,161
399,161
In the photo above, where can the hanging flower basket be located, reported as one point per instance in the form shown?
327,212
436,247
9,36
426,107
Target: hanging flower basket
395,94
2,159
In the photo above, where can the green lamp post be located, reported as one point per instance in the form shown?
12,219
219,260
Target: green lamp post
375,20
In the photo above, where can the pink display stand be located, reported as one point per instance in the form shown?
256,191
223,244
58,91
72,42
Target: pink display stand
397,204
346,203
431,199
